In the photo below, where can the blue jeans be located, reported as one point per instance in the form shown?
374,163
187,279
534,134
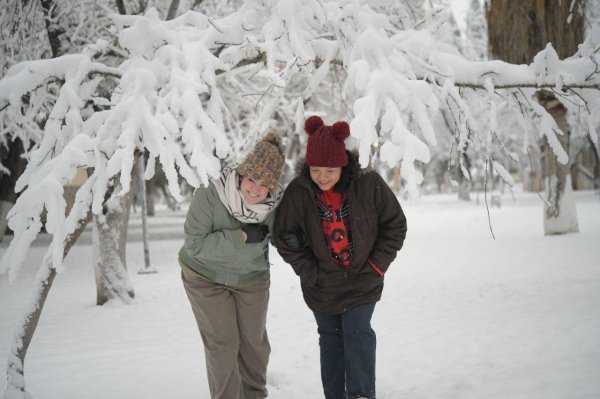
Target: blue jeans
348,344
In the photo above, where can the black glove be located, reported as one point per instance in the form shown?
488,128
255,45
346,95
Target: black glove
255,232
293,239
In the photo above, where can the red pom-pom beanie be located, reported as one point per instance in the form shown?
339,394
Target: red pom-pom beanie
325,147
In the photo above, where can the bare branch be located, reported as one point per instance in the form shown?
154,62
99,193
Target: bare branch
487,162
531,85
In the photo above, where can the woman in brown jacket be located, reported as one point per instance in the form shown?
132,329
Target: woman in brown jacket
340,228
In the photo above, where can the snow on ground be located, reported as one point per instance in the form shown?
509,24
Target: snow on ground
462,316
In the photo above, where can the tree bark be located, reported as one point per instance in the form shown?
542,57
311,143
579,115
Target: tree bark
597,168
5,207
150,188
560,214
517,32
16,165
15,386
121,7
110,268
109,242
53,28
172,13
464,183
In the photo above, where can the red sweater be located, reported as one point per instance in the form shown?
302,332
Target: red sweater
335,231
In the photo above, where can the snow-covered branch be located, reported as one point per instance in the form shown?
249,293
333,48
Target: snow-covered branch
172,96
29,76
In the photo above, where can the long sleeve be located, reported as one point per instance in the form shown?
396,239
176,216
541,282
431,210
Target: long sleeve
289,217
201,242
391,225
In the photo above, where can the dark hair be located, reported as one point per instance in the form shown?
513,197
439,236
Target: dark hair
349,173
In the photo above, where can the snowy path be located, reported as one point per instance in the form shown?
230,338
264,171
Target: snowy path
463,316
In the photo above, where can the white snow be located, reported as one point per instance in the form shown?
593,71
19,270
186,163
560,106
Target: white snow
171,67
462,316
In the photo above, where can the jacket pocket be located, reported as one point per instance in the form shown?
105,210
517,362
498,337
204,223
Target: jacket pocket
252,258
375,267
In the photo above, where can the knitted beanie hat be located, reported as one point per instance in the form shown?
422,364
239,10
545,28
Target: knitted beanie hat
325,145
265,161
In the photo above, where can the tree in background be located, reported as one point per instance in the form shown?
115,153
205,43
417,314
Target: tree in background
173,99
517,32
68,27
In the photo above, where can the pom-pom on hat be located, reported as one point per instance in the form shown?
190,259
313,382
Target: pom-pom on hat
265,161
325,147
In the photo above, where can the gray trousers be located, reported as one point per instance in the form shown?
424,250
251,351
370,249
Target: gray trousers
232,323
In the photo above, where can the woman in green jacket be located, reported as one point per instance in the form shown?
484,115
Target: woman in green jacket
225,269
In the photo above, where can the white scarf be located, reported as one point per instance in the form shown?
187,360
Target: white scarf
228,188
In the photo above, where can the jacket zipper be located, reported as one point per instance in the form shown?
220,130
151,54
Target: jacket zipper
316,215
237,257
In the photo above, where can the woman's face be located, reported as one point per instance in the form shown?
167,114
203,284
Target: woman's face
324,177
254,191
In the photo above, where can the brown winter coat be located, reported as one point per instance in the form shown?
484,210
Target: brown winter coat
378,230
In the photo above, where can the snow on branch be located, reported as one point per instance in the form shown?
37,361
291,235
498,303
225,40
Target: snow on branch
169,99
28,76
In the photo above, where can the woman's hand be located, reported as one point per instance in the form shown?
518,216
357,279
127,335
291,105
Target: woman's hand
293,239
254,233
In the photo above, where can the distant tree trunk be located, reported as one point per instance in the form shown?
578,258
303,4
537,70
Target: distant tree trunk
172,12
597,168
15,381
530,169
396,176
517,31
53,28
121,7
464,182
5,207
16,165
150,203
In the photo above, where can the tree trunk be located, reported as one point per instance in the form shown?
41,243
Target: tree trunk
560,214
596,152
172,13
144,214
53,28
16,164
517,32
530,169
112,281
464,182
121,7
109,241
15,377
150,187
5,207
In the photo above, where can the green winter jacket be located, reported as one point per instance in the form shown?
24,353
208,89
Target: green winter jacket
214,244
